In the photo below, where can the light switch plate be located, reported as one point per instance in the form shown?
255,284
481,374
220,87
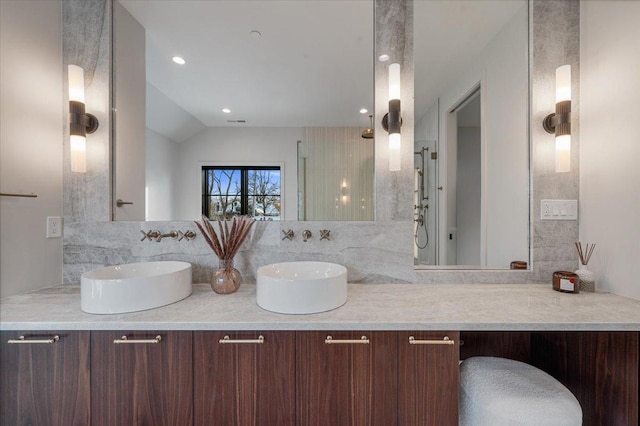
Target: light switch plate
559,209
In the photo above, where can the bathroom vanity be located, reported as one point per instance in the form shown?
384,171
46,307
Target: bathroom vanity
389,356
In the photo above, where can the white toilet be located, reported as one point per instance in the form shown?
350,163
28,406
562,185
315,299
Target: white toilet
504,392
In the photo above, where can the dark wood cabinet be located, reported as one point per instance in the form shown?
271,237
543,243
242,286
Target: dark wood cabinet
293,378
141,382
244,378
343,380
428,384
600,368
45,381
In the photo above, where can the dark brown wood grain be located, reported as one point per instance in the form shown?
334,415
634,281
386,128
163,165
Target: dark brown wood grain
244,384
141,384
346,384
599,368
504,344
45,384
428,385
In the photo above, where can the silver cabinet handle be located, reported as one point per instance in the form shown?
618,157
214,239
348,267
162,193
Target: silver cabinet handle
121,203
445,341
124,339
23,340
331,341
226,340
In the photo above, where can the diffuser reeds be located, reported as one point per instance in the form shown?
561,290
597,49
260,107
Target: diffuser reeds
585,254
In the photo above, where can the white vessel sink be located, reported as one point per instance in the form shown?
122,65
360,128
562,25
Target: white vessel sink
134,287
301,287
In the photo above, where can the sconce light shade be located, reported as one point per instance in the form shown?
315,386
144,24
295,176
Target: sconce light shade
78,145
76,83
560,122
80,123
392,121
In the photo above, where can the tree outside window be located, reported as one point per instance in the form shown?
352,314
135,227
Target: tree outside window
241,190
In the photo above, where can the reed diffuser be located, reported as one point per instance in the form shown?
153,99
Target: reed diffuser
587,277
225,244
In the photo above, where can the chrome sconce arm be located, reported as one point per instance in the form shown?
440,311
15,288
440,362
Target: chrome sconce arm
81,122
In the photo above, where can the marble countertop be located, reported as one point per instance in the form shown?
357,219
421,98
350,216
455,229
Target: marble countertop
369,307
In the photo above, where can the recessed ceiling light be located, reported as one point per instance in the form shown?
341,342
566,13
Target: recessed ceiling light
364,111
255,34
226,110
383,58
178,60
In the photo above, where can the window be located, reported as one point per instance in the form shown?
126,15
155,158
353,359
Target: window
229,191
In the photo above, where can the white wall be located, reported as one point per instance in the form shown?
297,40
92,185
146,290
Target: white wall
31,127
609,142
161,154
236,146
502,70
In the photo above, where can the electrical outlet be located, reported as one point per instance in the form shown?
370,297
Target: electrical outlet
54,227
559,209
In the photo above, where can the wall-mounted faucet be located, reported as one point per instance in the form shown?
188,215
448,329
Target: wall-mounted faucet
306,234
158,236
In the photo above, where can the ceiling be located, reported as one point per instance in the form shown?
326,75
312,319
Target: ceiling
312,65
448,37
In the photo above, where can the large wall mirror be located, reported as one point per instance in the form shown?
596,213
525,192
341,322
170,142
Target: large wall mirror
243,107
471,156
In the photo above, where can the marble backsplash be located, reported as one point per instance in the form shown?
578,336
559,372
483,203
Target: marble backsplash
374,252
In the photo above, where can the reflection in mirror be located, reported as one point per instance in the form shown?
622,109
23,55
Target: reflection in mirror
230,92
471,193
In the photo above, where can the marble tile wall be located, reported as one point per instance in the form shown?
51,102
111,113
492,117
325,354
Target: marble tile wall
86,41
374,252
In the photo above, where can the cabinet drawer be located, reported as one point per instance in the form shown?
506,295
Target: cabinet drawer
141,382
428,378
44,378
244,378
343,380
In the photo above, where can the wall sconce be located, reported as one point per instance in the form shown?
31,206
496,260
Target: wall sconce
560,122
80,123
392,121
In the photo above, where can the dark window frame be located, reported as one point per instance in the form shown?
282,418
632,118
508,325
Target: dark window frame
244,186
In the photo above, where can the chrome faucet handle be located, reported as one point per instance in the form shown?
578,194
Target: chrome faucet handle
150,235
189,235
306,234
325,234
288,234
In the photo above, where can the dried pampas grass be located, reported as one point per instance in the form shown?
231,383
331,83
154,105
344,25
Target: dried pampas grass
226,242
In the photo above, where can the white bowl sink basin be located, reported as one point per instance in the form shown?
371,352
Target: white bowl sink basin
301,287
134,287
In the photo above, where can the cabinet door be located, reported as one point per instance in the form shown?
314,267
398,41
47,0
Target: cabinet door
428,378
141,382
341,380
243,379
44,381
